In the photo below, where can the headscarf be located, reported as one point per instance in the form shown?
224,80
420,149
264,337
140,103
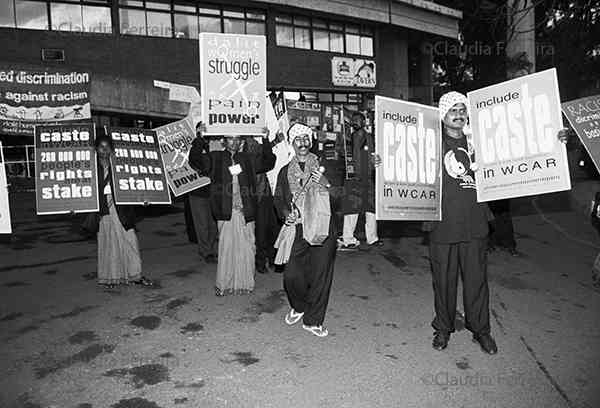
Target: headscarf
298,129
448,100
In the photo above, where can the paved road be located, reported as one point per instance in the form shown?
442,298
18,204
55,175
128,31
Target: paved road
69,344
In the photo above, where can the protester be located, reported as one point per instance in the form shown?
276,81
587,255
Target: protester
309,272
234,205
204,222
266,225
458,242
119,260
360,192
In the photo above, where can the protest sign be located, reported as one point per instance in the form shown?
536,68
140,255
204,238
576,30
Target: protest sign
137,168
515,126
5,226
408,138
66,176
276,121
184,93
175,140
233,79
584,116
32,97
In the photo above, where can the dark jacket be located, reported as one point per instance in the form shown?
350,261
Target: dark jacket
263,188
283,200
215,165
463,218
203,192
127,213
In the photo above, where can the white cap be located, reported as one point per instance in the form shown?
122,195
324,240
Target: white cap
448,100
298,129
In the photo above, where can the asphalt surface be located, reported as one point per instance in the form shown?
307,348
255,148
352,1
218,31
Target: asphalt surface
67,343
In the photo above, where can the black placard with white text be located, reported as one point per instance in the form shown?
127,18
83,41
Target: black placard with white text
65,169
137,167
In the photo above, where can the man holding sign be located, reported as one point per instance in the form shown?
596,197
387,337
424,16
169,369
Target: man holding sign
458,242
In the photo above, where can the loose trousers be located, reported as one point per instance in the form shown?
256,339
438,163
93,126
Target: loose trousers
205,226
307,277
350,221
470,259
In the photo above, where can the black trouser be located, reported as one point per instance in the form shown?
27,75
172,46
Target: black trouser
266,231
446,261
307,277
503,233
189,221
205,225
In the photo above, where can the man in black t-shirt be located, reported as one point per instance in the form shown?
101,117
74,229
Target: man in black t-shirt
458,242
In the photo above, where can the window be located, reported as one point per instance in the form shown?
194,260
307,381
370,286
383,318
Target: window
7,14
66,15
31,14
188,19
151,18
284,35
133,22
322,35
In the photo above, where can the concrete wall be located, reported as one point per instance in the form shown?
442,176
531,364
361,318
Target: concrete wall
392,69
415,14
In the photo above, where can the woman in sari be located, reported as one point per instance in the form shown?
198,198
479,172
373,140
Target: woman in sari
119,260
234,202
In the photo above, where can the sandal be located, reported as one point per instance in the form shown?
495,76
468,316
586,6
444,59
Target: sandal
108,285
143,282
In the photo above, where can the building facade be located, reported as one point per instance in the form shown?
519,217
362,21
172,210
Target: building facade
312,45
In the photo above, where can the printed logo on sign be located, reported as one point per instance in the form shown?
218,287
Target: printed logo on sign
353,72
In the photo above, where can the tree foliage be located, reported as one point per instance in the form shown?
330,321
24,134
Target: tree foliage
567,37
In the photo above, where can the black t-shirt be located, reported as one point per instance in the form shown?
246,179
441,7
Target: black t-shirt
463,218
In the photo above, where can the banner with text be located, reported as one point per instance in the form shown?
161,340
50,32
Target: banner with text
233,80
515,126
5,226
137,168
175,140
584,116
66,176
29,98
408,139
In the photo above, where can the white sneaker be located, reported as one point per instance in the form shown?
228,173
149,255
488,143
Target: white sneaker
293,317
347,246
318,331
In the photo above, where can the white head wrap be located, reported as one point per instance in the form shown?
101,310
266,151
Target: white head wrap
448,100
298,129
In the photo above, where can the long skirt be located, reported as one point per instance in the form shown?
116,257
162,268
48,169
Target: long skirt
119,259
235,270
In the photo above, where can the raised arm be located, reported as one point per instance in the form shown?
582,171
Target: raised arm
199,157
265,161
